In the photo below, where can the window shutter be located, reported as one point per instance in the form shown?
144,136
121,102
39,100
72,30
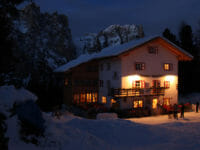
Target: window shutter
134,84
167,84
153,83
171,67
142,84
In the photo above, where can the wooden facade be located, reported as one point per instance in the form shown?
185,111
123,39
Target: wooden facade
81,84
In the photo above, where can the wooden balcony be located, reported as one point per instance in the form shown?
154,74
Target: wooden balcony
159,91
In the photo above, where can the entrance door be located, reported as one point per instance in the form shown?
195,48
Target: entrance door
154,103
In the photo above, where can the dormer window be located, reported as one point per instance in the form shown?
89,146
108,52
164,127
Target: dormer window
153,50
139,66
168,67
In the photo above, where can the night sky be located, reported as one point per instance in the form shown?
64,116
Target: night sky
155,15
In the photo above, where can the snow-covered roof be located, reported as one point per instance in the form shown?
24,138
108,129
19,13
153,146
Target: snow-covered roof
113,51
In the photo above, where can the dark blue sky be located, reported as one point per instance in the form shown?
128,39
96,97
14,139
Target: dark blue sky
155,15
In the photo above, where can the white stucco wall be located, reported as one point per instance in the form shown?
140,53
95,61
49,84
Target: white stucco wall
125,66
105,75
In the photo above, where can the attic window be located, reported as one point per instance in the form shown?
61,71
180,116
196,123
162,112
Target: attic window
153,50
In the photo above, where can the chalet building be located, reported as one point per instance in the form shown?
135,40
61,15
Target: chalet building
138,74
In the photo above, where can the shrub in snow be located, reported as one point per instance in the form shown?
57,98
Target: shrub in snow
107,116
3,139
31,121
9,96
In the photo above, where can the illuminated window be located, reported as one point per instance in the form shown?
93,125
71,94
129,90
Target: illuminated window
168,67
139,66
94,97
89,97
154,103
137,104
113,101
167,84
103,100
166,101
76,98
82,98
66,82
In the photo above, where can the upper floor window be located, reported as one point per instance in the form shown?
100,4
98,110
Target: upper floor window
168,67
139,66
108,66
153,50
115,75
101,67
101,83
167,84
138,84
156,83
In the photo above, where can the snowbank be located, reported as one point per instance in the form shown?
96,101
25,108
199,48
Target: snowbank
10,95
107,116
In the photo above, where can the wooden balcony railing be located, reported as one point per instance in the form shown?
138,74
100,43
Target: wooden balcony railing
158,91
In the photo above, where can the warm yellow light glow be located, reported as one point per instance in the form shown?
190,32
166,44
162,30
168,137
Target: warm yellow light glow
170,78
113,101
103,100
137,104
166,67
166,101
133,77
154,103
127,81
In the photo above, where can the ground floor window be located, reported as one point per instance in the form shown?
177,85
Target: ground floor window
113,101
137,103
103,100
166,101
76,98
87,97
154,103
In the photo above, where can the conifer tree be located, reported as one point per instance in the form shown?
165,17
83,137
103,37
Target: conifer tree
170,36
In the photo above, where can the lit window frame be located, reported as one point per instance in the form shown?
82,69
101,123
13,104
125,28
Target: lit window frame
138,103
168,66
166,101
103,100
154,103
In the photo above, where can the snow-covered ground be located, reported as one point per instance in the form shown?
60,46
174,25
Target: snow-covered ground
74,133
70,132
156,132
